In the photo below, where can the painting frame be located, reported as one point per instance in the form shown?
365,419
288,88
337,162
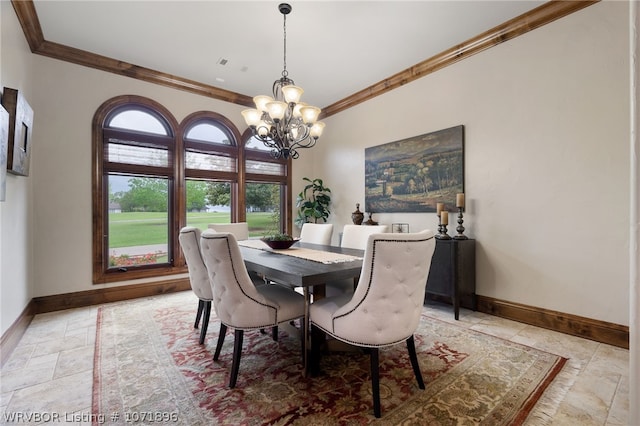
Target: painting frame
20,131
4,146
412,175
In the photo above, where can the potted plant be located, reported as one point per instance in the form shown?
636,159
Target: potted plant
274,237
313,202
278,241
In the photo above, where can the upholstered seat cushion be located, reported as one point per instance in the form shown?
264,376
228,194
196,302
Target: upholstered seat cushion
386,305
323,310
238,302
289,303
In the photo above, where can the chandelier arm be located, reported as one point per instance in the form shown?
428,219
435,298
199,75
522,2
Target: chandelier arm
289,120
280,135
303,133
307,142
267,141
289,133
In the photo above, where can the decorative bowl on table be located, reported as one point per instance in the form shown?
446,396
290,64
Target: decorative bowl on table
279,242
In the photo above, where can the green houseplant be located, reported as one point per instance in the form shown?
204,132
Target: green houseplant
313,202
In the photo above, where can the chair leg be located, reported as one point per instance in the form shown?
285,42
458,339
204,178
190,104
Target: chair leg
199,313
205,321
317,339
221,334
411,347
375,381
274,332
237,352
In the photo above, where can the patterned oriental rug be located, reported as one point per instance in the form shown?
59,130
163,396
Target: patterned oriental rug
150,369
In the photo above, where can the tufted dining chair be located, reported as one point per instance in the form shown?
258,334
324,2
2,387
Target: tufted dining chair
238,303
316,233
355,236
189,238
240,230
386,306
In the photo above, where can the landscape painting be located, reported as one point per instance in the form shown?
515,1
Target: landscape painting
414,174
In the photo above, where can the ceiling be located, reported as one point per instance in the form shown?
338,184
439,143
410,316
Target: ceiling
334,48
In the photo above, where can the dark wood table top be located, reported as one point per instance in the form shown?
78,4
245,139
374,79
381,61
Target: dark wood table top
301,272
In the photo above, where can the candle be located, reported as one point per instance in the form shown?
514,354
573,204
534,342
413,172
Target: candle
444,217
460,200
439,208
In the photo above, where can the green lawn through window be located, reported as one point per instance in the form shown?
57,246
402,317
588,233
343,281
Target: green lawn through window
140,229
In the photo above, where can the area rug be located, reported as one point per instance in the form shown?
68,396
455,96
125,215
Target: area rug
150,369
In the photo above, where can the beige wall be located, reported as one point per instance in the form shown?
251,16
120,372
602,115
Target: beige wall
16,251
634,253
62,168
547,172
546,119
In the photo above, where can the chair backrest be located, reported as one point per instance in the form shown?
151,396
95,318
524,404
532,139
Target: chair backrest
355,236
240,230
237,302
316,233
198,277
387,303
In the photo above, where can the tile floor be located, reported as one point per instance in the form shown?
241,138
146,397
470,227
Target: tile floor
51,370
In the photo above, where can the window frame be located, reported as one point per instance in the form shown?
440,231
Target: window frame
100,203
286,202
232,150
177,173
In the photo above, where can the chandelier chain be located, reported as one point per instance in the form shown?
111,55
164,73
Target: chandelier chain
284,31
282,122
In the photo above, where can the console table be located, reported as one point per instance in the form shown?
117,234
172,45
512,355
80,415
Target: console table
453,273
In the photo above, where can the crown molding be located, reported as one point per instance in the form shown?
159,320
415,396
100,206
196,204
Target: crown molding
513,28
542,15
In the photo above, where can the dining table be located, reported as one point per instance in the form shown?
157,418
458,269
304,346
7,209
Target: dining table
306,266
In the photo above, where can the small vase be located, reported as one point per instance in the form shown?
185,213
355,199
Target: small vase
370,221
357,217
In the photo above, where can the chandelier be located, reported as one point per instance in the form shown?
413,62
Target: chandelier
281,121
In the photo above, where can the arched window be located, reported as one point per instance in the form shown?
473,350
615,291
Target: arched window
134,182
211,169
267,187
153,175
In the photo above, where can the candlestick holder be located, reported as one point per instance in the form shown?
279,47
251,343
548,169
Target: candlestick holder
460,228
442,230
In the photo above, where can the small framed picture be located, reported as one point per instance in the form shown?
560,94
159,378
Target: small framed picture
20,129
400,228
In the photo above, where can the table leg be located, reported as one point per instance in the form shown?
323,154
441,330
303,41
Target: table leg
305,327
454,283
